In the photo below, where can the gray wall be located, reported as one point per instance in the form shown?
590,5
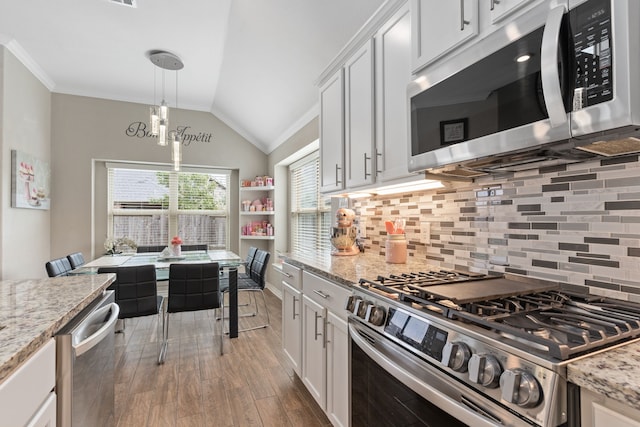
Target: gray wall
87,131
25,123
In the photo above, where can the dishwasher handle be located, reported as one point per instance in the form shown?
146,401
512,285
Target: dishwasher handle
107,328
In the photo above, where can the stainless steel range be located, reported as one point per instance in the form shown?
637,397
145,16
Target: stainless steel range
485,350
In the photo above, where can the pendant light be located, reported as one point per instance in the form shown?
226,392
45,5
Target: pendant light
159,114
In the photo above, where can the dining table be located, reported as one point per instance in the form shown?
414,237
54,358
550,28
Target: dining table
227,260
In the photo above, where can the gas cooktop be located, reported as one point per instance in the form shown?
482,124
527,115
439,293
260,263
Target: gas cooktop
531,313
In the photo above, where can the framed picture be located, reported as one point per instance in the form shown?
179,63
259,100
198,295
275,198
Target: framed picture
30,186
452,131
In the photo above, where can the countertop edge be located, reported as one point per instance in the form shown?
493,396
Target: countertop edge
38,340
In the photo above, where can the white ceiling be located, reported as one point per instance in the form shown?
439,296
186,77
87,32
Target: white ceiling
252,63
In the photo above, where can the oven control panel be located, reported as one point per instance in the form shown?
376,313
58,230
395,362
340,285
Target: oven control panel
414,331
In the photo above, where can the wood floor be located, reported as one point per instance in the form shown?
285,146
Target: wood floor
252,384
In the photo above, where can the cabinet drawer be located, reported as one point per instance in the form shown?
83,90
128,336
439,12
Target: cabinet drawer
291,275
328,294
28,387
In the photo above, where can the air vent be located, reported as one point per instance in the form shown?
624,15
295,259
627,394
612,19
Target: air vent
130,3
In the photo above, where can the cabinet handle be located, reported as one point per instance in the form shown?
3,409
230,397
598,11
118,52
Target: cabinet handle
365,165
322,294
294,308
494,3
378,162
324,331
289,276
338,181
463,22
316,328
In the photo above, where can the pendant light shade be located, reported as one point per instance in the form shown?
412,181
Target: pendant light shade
159,114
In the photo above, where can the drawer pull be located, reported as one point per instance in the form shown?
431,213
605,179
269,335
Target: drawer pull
322,294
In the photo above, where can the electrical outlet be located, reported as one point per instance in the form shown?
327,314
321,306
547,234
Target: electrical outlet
362,228
425,232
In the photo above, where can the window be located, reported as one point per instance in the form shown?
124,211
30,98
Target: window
150,206
310,211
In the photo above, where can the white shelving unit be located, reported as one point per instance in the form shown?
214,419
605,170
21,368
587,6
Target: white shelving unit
246,217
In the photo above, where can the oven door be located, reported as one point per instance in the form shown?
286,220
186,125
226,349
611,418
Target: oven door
391,386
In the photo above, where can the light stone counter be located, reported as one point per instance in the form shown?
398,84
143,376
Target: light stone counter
347,270
33,310
614,373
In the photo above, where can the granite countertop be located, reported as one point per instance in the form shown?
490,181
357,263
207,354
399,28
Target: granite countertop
33,310
614,372
347,270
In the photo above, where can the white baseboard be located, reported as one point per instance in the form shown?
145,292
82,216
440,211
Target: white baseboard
277,292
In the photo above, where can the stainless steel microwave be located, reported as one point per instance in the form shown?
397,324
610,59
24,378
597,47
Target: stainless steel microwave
552,83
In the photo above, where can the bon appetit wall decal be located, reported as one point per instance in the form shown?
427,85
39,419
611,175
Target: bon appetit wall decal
142,130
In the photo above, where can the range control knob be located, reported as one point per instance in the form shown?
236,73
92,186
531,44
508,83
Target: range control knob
456,355
362,308
520,387
352,302
485,370
376,315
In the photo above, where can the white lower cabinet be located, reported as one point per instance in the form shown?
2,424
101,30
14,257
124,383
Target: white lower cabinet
27,397
597,410
292,325
325,346
292,315
314,362
337,370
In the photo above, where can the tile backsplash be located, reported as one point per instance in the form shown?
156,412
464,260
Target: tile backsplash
578,224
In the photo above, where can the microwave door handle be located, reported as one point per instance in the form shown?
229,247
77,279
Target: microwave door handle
549,67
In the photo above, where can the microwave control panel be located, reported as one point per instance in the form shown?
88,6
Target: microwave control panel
591,27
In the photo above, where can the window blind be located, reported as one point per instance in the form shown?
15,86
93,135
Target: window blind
310,211
150,206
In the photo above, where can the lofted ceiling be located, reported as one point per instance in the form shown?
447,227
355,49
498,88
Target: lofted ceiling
252,63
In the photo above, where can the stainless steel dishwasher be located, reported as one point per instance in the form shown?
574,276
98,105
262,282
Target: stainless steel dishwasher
85,361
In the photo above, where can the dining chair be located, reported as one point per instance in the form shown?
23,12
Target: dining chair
192,287
185,248
136,294
155,248
255,282
76,260
58,267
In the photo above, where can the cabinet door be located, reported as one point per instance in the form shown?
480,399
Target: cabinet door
332,134
439,27
338,401
359,139
393,74
502,8
314,356
292,325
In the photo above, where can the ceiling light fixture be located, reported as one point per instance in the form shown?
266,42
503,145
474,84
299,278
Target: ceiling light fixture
159,114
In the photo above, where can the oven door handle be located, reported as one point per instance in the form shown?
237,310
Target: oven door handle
469,414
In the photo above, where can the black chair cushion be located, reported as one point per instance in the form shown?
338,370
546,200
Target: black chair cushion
76,259
259,266
194,287
256,280
58,267
156,248
136,290
185,248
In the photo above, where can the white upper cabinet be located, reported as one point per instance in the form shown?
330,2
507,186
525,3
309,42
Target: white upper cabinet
332,133
359,137
502,8
393,74
437,27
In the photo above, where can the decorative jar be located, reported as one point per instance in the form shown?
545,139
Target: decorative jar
396,249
